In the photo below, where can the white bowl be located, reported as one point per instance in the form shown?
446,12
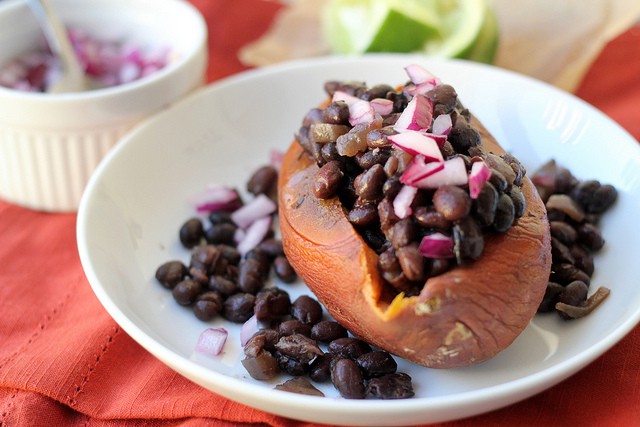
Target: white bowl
50,144
135,202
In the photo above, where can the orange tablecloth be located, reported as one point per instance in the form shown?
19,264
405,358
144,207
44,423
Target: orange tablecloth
64,361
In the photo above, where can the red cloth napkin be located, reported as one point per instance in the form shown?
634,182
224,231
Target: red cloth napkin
64,361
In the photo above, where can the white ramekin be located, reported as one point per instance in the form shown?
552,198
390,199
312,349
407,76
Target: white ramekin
50,144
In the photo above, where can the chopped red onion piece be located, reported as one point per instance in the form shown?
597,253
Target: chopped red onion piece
254,234
421,89
453,173
436,245
480,173
211,341
382,106
260,206
418,75
361,112
419,168
248,330
418,143
403,200
216,198
416,116
343,96
238,235
442,124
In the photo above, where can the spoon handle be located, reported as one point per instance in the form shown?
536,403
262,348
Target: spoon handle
72,78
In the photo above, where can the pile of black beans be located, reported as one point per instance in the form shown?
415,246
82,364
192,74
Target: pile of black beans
291,343
217,279
367,181
574,208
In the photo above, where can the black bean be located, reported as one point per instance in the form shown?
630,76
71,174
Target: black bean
452,202
368,185
320,368
314,115
564,232
205,258
376,364
498,181
262,258
589,236
284,270
218,217
306,309
272,247
565,273
170,273
370,158
603,198
584,191
498,164
444,98
574,293
363,215
238,308
550,298
294,326
583,259
468,240
349,347
386,215
186,291
391,386
505,214
329,152
412,262
271,304
403,232
485,205
207,305
263,180
327,331
336,113
191,232
222,285
347,379
430,218
391,187
250,278
560,252
198,275
462,137
377,91
328,180
290,365
222,233
519,201
374,238
298,347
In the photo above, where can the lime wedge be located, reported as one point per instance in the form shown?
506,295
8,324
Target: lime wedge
442,28
357,26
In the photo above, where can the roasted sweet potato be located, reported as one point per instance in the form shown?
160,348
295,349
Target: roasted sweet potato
462,317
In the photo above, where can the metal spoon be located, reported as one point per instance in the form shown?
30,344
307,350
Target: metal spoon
72,77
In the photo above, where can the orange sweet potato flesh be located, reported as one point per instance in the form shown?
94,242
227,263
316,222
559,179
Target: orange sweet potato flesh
460,318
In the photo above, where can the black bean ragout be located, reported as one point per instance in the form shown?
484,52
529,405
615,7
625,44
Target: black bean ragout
367,180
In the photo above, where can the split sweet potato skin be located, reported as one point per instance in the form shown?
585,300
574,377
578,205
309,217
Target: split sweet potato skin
460,318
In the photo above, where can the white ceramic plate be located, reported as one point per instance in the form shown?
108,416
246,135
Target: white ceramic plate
137,199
